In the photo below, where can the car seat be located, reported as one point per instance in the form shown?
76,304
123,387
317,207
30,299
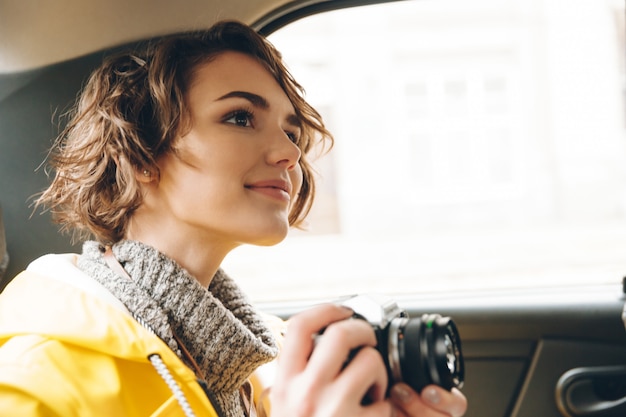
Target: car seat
4,255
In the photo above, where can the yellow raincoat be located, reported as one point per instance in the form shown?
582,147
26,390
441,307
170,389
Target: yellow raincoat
68,348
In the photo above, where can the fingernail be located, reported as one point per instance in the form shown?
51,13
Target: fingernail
400,393
459,409
431,395
456,413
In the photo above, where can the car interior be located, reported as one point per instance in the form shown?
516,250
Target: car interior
478,171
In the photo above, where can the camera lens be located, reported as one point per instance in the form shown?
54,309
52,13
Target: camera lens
426,350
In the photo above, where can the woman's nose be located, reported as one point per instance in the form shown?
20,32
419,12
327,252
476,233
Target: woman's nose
284,152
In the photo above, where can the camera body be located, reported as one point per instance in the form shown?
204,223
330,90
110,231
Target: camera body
417,351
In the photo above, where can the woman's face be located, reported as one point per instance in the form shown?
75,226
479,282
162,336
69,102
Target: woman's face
234,175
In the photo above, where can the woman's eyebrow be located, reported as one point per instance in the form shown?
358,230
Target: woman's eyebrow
295,121
260,102
255,99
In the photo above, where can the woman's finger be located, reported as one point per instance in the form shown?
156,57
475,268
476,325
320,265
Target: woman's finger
433,401
299,340
368,369
334,347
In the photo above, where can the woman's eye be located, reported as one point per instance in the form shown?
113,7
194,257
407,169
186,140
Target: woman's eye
240,118
292,137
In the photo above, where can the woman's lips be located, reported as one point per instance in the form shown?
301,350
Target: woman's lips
277,189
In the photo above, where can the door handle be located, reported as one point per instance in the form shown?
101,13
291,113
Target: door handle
598,391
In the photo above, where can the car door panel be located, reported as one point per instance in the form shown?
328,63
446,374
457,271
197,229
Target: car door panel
517,346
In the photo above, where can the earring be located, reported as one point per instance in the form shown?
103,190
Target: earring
146,173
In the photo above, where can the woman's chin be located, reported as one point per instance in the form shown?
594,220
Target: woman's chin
270,239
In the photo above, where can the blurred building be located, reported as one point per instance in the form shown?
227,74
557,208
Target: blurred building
477,144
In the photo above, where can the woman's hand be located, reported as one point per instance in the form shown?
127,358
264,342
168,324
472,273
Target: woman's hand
313,379
433,401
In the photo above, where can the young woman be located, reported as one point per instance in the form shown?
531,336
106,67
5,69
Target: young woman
173,157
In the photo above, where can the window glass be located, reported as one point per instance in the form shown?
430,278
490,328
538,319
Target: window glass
478,145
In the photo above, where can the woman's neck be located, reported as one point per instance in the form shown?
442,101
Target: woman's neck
200,255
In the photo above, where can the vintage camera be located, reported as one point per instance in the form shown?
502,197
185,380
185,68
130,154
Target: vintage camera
417,351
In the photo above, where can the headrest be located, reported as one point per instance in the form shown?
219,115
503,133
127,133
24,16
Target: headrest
4,256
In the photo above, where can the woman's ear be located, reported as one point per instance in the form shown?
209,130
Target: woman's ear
144,175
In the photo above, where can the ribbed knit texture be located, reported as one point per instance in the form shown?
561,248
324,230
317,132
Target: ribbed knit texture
219,327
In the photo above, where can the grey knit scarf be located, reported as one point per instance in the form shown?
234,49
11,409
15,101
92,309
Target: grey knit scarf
219,327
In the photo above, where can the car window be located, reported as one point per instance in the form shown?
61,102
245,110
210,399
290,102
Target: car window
477,145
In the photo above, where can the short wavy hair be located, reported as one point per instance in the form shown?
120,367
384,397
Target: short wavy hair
129,113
